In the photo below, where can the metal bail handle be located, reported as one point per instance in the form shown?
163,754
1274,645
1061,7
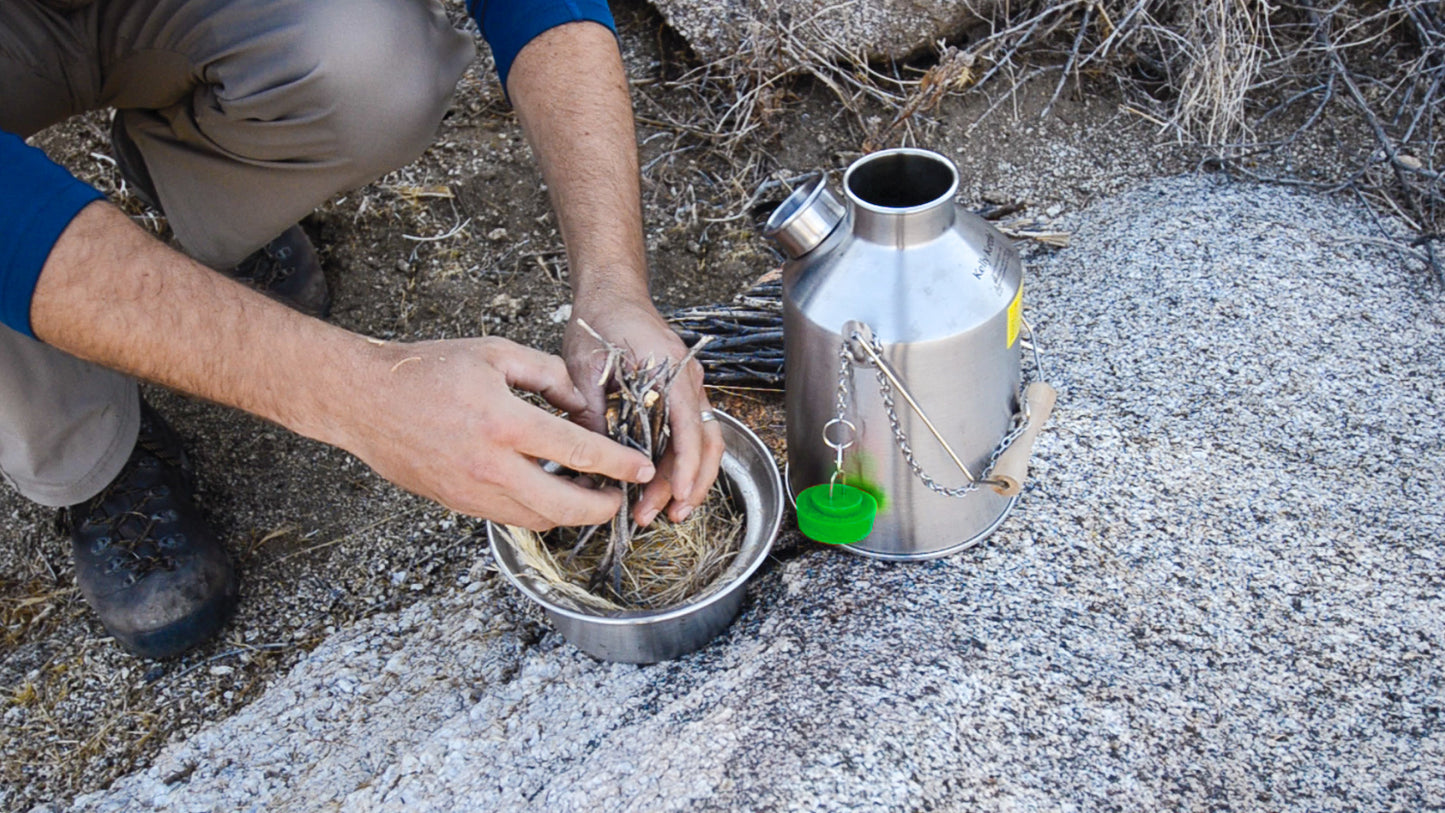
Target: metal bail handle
1009,462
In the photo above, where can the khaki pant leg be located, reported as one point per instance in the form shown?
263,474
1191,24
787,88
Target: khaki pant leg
250,113
66,426
45,72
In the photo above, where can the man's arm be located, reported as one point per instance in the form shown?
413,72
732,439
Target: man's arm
571,95
437,418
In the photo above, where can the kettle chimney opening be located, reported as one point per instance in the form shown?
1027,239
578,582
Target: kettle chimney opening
902,179
805,219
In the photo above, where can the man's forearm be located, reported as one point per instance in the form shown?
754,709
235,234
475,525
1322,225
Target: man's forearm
571,95
111,294
437,418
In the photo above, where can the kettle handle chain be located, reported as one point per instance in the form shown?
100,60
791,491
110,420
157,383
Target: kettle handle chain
1036,400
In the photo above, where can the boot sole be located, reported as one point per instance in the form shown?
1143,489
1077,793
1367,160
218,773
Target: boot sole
184,635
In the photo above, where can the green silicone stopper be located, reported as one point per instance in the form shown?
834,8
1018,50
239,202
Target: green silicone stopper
841,518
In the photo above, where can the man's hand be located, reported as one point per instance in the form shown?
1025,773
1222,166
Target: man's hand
443,422
690,466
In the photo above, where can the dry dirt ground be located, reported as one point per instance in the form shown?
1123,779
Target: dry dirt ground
460,243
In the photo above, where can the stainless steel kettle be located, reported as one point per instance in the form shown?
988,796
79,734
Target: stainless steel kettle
902,317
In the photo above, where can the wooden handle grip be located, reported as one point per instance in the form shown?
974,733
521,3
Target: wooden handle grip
1013,465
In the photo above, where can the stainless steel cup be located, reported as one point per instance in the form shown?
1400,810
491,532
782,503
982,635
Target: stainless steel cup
659,635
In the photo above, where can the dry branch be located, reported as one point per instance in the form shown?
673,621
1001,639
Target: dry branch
1216,74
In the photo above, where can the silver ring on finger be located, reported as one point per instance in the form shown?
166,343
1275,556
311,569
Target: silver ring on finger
707,415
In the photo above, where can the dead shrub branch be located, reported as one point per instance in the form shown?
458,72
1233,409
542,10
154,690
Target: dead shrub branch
1234,79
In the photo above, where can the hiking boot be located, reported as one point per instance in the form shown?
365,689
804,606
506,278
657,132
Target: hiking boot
288,270
132,165
145,560
285,269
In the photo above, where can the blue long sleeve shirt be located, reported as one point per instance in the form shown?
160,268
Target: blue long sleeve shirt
39,198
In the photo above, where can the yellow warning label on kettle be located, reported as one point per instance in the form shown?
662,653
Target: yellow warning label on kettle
1015,316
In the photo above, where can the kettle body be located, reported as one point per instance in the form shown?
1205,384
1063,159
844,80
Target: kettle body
937,293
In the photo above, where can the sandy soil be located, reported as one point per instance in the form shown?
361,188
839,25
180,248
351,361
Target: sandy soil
319,539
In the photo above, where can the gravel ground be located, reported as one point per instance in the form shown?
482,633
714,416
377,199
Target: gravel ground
1221,591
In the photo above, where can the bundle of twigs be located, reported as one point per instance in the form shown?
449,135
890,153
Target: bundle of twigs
745,338
617,566
637,417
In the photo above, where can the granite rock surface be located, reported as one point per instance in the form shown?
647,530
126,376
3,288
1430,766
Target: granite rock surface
1222,590
876,29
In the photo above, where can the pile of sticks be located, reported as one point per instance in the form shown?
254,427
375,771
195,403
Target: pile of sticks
741,344
637,417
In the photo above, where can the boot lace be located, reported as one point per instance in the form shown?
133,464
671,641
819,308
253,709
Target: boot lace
268,266
124,518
